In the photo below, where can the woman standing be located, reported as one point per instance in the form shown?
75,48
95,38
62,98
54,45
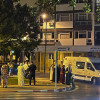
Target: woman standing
62,74
21,73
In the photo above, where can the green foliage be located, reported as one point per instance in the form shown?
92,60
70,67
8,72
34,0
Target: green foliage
98,15
16,22
72,3
87,8
47,6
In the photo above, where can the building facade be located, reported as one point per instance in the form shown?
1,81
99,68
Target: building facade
72,33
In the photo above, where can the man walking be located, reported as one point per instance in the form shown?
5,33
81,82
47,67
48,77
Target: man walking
31,70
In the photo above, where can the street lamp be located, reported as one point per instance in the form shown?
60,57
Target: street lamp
44,16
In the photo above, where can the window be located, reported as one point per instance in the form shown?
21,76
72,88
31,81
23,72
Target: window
82,17
90,54
48,36
66,55
89,34
89,17
89,67
80,65
52,35
82,35
64,17
76,35
70,34
64,36
76,17
71,17
51,56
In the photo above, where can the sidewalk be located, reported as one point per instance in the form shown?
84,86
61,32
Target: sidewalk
43,84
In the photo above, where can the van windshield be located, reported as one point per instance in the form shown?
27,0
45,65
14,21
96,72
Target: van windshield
97,66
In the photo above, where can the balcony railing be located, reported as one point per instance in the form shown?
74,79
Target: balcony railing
47,42
83,23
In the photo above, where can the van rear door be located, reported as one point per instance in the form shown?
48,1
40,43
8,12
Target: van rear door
79,73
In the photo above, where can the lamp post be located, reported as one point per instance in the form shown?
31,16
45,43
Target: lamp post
44,16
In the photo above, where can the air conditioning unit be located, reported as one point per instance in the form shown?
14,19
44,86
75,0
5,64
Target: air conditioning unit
89,42
56,40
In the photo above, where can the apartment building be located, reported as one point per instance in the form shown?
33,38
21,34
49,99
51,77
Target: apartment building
72,33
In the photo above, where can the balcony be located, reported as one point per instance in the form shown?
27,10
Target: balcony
66,7
82,42
66,42
83,25
47,42
65,24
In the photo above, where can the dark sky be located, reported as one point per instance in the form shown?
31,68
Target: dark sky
29,2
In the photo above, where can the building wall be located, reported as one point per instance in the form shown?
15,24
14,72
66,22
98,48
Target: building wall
66,34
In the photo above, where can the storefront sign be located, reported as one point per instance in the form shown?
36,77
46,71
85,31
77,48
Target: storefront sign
95,49
63,49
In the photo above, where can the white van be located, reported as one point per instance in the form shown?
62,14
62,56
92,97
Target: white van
84,68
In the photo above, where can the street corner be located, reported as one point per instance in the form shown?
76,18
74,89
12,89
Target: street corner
22,89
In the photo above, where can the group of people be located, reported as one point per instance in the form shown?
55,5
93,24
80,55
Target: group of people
25,70
63,75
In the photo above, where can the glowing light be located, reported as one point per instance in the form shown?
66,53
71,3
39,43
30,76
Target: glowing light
44,16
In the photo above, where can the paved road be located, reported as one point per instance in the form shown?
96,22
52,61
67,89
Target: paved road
85,91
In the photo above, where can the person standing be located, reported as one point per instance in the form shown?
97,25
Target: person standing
51,72
31,70
68,74
4,75
21,73
58,73
62,74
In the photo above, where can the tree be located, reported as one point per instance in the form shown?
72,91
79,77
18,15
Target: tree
6,25
47,6
26,19
97,18
17,22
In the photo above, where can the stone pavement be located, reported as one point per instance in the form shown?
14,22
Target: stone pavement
43,84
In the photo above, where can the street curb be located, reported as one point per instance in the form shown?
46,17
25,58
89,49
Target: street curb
55,90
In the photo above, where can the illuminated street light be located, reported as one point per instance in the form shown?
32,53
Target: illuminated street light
24,38
44,16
